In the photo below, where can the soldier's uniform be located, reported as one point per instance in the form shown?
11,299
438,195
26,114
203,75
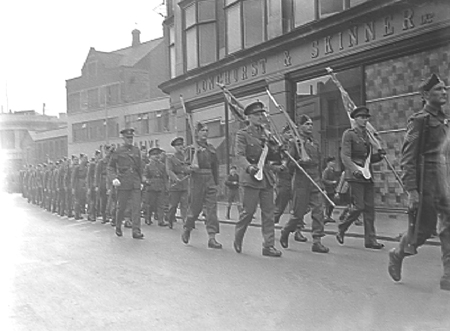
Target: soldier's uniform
155,181
305,193
54,188
68,186
100,184
232,183
61,189
329,182
356,148
204,181
78,183
429,127
250,142
177,171
47,186
125,165
90,183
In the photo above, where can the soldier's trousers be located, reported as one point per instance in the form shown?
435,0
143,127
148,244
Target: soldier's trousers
203,191
284,195
364,202
305,195
155,204
69,202
112,204
80,201
134,197
62,201
102,201
250,200
92,204
177,198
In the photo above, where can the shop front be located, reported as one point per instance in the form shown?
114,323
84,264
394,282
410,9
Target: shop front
379,52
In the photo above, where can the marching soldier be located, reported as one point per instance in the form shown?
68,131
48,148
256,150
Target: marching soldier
100,183
305,193
178,172
62,192
250,143
90,184
125,167
204,181
155,180
425,158
357,155
111,191
78,183
232,183
284,182
330,182
54,187
47,185
68,186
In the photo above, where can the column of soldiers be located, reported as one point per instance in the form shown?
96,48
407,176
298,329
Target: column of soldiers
153,184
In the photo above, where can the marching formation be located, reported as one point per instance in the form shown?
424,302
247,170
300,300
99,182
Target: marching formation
273,170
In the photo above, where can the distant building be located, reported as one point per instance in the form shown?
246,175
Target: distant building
122,87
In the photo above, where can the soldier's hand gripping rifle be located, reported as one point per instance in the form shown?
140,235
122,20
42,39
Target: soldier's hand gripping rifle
415,212
194,157
299,167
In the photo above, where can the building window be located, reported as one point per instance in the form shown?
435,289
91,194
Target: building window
304,11
93,98
112,94
246,23
79,132
330,7
73,102
200,35
172,56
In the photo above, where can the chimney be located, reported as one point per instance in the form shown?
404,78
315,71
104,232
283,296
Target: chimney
136,37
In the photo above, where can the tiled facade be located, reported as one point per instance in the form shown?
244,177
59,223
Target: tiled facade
391,92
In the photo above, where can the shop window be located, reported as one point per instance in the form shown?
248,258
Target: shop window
200,33
320,99
330,7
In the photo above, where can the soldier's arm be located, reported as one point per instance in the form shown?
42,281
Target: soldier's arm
215,167
112,167
98,173
241,146
169,168
410,149
346,152
74,174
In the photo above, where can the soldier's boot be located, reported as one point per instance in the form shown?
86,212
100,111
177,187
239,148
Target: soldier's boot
317,246
228,213
396,256
239,208
445,248
284,238
298,236
186,235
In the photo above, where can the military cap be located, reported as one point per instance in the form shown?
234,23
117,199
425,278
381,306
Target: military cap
127,132
303,119
97,152
82,155
233,167
177,141
254,107
330,158
57,162
44,165
73,156
429,83
155,151
360,111
65,158
51,162
106,147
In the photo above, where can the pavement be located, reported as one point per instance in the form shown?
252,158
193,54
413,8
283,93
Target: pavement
389,224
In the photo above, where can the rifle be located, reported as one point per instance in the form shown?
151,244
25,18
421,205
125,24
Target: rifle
194,159
414,214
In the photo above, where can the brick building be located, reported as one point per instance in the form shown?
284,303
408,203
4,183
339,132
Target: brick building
379,49
122,87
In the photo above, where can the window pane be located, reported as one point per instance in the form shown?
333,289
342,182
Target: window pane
172,62
190,15
171,35
330,7
304,11
206,10
191,49
356,2
275,20
233,29
207,44
253,22
229,2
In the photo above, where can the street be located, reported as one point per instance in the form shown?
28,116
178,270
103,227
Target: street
62,274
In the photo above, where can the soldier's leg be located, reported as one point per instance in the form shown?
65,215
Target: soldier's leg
357,192
301,197
250,201
174,199
135,205
444,236
197,199
281,202
267,209
369,214
122,203
212,223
